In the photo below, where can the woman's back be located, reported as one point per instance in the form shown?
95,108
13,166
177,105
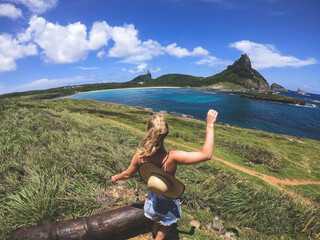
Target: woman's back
162,160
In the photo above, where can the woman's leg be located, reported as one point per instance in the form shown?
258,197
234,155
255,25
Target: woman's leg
155,226
162,233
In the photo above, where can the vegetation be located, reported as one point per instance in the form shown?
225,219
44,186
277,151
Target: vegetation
237,77
274,98
277,87
57,157
310,191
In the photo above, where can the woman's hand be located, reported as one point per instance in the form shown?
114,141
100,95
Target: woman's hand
114,179
211,117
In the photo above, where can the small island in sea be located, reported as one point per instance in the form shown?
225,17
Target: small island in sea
301,92
274,98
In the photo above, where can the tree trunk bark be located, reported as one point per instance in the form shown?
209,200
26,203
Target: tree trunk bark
121,223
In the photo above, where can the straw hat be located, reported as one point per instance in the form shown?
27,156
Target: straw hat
160,182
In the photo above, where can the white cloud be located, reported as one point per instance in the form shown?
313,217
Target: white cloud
213,61
37,6
9,10
312,88
11,50
72,43
179,52
65,44
99,35
140,68
87,68
127,45
266,56
101,54
158,69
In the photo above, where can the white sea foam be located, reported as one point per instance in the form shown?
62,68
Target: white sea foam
310,105
182,115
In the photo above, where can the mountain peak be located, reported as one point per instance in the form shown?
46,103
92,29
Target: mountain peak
243,61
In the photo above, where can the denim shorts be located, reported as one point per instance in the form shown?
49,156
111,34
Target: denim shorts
168,210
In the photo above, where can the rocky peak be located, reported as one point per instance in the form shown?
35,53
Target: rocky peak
243,61
254,80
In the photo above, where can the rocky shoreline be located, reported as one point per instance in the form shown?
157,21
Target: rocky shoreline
274,98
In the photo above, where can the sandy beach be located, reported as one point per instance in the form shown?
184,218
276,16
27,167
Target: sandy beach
121,89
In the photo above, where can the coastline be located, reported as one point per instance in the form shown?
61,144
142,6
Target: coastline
119,89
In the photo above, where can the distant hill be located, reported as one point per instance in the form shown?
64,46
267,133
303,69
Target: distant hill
239,76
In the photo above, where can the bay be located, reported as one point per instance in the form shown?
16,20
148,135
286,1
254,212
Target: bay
300,121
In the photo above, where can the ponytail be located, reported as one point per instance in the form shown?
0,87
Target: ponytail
157,131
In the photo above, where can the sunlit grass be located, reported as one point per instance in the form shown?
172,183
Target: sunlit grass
57,157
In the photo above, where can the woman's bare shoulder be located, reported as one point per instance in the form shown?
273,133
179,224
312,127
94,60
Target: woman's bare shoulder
177,154
137,154
137,157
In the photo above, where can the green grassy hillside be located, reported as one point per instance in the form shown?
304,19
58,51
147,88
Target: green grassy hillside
57,158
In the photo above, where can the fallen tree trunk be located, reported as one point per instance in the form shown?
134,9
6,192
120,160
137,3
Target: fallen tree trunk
121,223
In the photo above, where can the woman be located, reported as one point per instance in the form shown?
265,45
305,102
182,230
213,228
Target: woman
152,150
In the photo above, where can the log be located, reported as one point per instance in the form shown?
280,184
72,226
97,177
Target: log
121,223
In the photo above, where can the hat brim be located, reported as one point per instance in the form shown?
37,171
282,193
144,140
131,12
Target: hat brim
175,190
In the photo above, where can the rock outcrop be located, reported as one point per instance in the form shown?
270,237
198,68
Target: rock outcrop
255,81
142,78
301,92
277,87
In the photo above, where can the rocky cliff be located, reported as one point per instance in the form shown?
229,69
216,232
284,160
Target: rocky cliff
239,76
242,68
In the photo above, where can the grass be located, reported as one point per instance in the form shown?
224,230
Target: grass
310,191
57,157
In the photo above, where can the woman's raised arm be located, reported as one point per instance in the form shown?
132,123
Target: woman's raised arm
186,158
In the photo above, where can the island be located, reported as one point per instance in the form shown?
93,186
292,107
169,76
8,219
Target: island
274,98
301,92
238,77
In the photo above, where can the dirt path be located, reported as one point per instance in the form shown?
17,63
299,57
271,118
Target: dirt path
277,182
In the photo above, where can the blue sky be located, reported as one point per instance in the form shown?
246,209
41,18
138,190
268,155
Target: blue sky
52,43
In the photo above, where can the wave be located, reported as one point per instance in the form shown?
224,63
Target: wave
181,115
309,105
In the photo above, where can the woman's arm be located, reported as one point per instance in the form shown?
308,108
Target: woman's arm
132,169
186,158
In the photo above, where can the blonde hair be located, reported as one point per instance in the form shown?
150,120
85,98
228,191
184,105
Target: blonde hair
157,131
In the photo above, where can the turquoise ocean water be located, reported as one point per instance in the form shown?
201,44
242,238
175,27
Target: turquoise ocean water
233,109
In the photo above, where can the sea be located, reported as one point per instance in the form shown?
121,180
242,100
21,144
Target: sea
300,121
